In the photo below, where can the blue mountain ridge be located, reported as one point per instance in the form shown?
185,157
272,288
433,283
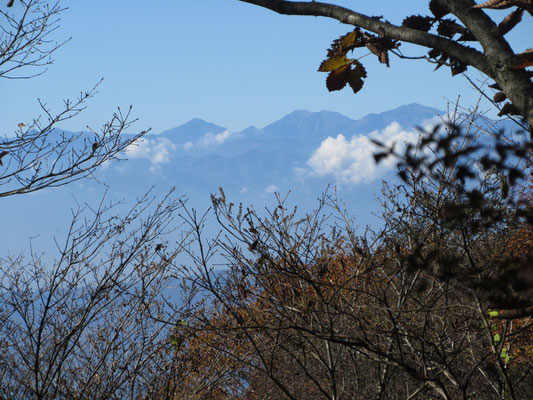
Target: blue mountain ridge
250,165
191,130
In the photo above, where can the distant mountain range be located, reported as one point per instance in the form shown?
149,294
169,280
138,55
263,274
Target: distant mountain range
306,124
302,152
202,156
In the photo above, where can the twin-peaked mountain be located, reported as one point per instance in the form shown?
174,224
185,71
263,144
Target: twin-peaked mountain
200,156
309,128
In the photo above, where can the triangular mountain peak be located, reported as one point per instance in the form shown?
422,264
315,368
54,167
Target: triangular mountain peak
251,130
307,124
408,116
192,130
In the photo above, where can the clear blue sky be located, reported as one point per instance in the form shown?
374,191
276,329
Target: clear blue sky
227,62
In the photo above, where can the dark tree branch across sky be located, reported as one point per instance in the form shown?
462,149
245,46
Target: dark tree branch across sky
497,59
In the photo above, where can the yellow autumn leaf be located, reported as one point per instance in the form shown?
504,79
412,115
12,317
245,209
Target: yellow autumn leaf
350,39
331,64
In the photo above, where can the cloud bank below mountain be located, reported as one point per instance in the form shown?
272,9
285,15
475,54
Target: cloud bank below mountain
159,150
352,161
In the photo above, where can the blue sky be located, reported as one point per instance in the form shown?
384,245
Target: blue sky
224,61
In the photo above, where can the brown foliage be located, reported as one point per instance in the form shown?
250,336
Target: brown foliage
313,310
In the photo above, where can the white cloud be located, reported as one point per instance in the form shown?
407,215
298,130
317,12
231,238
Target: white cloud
429,124
271,189
351,161
157,150
105,165
210,140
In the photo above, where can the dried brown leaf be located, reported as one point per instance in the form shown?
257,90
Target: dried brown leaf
418,22
338,79
351,39
434,53
437,10
524,60
441,61
355,79
510,21
380,47
345,43
448,28
499,97
458,68
383,58
501,4
508,109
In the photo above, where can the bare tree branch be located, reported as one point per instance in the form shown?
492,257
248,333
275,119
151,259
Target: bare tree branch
496,61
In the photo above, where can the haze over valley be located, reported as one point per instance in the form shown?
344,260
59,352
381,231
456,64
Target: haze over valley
303,152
